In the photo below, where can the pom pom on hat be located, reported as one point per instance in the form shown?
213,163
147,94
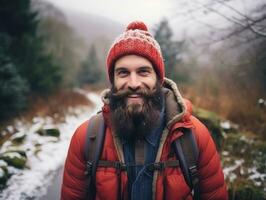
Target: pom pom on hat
137,25
136,40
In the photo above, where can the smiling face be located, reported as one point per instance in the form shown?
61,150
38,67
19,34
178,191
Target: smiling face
134,73
136,97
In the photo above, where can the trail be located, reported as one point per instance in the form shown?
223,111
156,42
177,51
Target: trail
53,190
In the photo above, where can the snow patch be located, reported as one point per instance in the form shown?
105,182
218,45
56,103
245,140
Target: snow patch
256,176
225,153
228,171
225,125
2,173
45,154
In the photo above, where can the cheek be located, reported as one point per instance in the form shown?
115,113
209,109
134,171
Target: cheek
150,83
119,83
154,81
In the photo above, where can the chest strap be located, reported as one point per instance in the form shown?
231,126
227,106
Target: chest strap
158,166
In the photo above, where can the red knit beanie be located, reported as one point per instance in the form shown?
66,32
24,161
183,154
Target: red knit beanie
136,40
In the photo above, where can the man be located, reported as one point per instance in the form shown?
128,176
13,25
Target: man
144,115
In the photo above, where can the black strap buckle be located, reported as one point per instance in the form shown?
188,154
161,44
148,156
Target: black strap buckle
194,174
120,166
88,170
123,166
156,166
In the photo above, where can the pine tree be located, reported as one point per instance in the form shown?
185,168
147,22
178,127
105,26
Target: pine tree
24,65
13,88
16,18
26,49
90,72
171,49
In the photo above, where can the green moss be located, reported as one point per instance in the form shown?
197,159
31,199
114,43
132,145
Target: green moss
239,145
21,152
212,122
49,132
18,138
207,115
14,159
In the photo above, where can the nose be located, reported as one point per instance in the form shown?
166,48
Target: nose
134,83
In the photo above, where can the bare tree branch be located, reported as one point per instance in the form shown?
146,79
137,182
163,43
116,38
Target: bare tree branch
249,24
237,32
235,10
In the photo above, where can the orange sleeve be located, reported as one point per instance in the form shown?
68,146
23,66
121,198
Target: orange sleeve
212,184
74,180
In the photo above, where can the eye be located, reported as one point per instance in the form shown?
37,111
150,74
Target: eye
144,72
122,73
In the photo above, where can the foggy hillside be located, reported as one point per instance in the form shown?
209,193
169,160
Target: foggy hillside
91,27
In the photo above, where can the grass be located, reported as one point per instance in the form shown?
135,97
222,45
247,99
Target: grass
55,106
57,103
240,107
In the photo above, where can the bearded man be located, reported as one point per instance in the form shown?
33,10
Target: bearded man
144,114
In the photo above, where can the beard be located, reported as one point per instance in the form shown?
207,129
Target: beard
136,120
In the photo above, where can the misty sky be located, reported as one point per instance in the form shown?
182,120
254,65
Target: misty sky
150,11
185,16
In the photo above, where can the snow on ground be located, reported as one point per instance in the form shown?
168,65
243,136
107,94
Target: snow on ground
31,183
256,176
228,171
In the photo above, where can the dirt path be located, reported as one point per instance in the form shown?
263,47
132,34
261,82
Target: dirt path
53,190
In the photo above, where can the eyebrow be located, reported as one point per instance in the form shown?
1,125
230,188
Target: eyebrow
146,67
120,68
142,67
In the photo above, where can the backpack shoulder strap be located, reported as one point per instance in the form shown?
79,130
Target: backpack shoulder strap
187,152
93,149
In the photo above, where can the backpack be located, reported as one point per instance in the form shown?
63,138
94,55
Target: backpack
185,148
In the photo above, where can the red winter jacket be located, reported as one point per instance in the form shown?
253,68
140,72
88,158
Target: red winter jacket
167,184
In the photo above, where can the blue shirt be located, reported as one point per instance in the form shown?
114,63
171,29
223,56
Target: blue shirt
139,177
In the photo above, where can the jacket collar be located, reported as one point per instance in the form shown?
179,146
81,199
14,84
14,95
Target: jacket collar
175,107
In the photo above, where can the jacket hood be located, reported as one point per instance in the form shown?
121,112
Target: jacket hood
176,108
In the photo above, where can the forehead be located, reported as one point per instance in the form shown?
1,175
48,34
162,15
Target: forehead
132,62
